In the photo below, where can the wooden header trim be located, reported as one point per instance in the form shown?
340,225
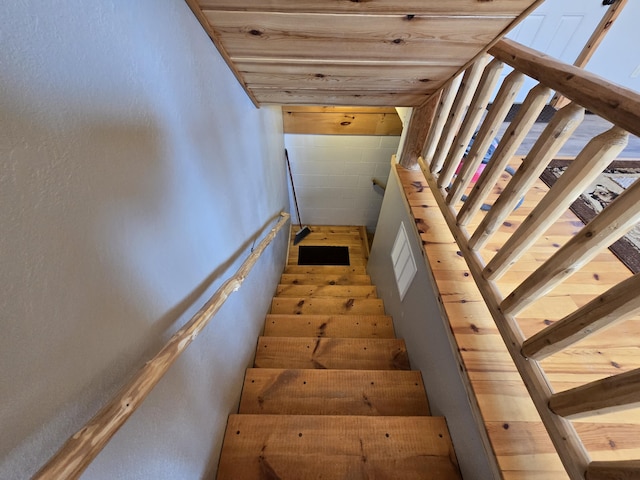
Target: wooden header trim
619,105
80,450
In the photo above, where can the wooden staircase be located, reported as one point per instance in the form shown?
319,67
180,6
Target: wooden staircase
331,394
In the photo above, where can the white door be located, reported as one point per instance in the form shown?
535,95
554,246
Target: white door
559,28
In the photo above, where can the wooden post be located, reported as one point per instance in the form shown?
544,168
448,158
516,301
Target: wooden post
418,131
586,167
511,140
477,108
608,395
610,16
607,227
440,119
615,305
80,450
557,132
501,105
614,470
460,105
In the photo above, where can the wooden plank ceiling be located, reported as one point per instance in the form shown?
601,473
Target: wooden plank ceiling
352,52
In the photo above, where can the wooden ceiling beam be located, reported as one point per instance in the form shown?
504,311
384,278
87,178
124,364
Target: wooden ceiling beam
407,7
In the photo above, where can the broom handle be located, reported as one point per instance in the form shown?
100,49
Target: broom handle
293,188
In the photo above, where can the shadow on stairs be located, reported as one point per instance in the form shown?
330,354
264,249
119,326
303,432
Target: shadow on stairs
331,394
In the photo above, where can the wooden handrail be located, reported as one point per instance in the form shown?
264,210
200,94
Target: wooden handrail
487,263
619,105
81,448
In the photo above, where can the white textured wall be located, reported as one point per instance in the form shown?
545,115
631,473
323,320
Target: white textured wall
134,175
333,177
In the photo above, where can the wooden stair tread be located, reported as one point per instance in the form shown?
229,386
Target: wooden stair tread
288,290
325,270
345,326
320,279
327,353
336,447
327,305
333,392
337,239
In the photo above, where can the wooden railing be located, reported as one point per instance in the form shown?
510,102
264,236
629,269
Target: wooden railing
81,448
454,120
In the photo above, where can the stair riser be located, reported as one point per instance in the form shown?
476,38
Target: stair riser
328,353
292,279
332,326
302,447
362,291
333,392
329,306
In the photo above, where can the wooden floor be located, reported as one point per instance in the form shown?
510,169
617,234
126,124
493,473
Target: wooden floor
331,394
522,446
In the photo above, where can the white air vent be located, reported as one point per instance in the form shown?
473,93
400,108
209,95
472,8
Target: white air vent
404,265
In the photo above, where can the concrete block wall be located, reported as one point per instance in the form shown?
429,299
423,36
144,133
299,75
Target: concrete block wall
333,177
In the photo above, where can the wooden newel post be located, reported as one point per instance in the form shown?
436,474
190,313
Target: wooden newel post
418,131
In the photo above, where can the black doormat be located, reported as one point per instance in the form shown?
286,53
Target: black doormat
315,255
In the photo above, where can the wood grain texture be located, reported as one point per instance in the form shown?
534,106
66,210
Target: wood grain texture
327,305
472,118
586,167
619,105
389,7
617,304
559,129
319,279
323,270
449,40
363,291
348,123
447,97
486,133
338,447
332,353
333,392
381,97
620,470
418,131
285,73
612,223
79,450
509,143
563,435
335,326
611,394
464,96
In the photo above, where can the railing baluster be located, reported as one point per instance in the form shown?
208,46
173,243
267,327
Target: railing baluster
440,119
546,147
460,105
615,305
503,102
586,167
611,394
478,106
511,140
612,223
614,470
